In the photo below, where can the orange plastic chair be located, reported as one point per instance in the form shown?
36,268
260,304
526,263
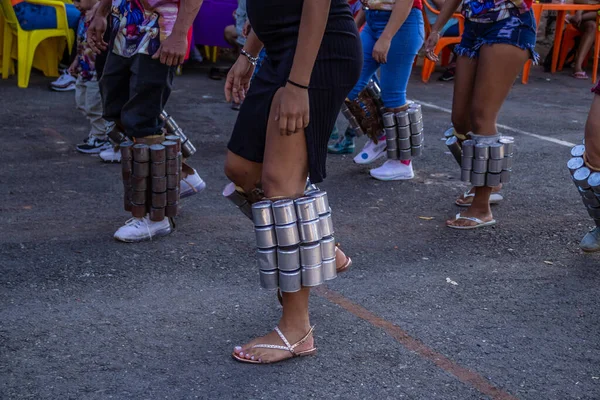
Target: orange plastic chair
27,42
443,43
568,42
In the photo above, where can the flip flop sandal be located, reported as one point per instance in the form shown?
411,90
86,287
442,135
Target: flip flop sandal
495,198
580,75
288,347
339,270
480,223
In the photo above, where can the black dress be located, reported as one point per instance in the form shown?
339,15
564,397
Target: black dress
336,71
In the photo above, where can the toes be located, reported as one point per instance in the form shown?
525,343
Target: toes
237,349
247,356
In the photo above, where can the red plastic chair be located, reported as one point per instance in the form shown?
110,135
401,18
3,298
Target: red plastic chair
443,43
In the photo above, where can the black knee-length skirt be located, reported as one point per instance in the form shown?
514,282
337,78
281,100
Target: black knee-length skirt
336,70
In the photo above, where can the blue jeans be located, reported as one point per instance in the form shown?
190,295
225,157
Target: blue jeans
36,16
403,50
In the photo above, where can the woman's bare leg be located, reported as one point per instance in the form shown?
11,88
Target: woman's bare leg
284,173
588,29
497,69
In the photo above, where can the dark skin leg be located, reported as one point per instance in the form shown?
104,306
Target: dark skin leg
592,135
588,29
496,71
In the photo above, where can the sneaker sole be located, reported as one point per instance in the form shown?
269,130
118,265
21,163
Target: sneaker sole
92,151
110,161
198,189
159,233
366,162
59,89
393,178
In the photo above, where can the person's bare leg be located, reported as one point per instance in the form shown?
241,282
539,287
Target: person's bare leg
245,174
230,35
588,33
284,173
497,69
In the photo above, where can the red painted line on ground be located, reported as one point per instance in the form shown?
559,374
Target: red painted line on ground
463,374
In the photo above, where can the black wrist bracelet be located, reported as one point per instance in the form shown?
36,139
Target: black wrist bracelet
297,84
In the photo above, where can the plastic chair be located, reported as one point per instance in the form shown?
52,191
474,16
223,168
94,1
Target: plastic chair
11,66
443,43
568,42
28,41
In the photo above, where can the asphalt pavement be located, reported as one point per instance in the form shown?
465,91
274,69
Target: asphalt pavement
425,312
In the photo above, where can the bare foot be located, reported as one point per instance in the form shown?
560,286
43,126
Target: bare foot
465,200
342,261
265,355
483,216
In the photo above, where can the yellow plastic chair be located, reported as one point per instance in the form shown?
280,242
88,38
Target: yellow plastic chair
11,66
28,41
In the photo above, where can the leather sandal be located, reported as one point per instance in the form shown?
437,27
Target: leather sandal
288,347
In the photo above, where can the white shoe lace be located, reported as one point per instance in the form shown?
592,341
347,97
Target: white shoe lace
137,222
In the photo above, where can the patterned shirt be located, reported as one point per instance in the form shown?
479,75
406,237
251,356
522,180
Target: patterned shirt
140,25
489,11
86,58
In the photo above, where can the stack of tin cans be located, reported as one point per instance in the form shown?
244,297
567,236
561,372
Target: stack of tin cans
486,164
151,178
295,242
587,182
239,199
187,147
404,133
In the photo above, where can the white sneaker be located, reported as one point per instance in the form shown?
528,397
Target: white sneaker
64,83
191,185
371,152
393,170
93,146
110,155
140,229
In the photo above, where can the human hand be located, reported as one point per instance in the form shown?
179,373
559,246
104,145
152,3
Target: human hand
72,70
430,44
238,80
381,49
95,32
247,28
172,50
292,109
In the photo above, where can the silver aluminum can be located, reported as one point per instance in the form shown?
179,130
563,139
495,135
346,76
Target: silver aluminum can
465,175
233,195
466,164
288,259
416,140
306,209
492,180
574,164
388,120
416,106
477,179
141,153
353,122
482,151
416,127
591,202
329,269
495,166
310,231
505,175
322,202
416,151
290,281
454,147
262,214
312,276
594,212
414,114
326,225
310,255
508,162
390,133
404,144
265,237
403,132
188,149
126,150
141,169
581,177
509,144
594,181
267,259
402,118
392,154
480,166
405,155
577,151
468,148
496,151
287,235
449,133
586,193
328,247
269,279
346,111
392,144
284,212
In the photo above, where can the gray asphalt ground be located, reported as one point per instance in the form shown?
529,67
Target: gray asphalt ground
85,317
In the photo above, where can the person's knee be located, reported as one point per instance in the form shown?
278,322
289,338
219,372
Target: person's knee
589,26
230,34
234,172
482,120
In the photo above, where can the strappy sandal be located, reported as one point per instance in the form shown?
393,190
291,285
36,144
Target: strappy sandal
478,223
288,347
339,270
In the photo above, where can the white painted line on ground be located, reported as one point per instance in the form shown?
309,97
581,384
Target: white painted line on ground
505,127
